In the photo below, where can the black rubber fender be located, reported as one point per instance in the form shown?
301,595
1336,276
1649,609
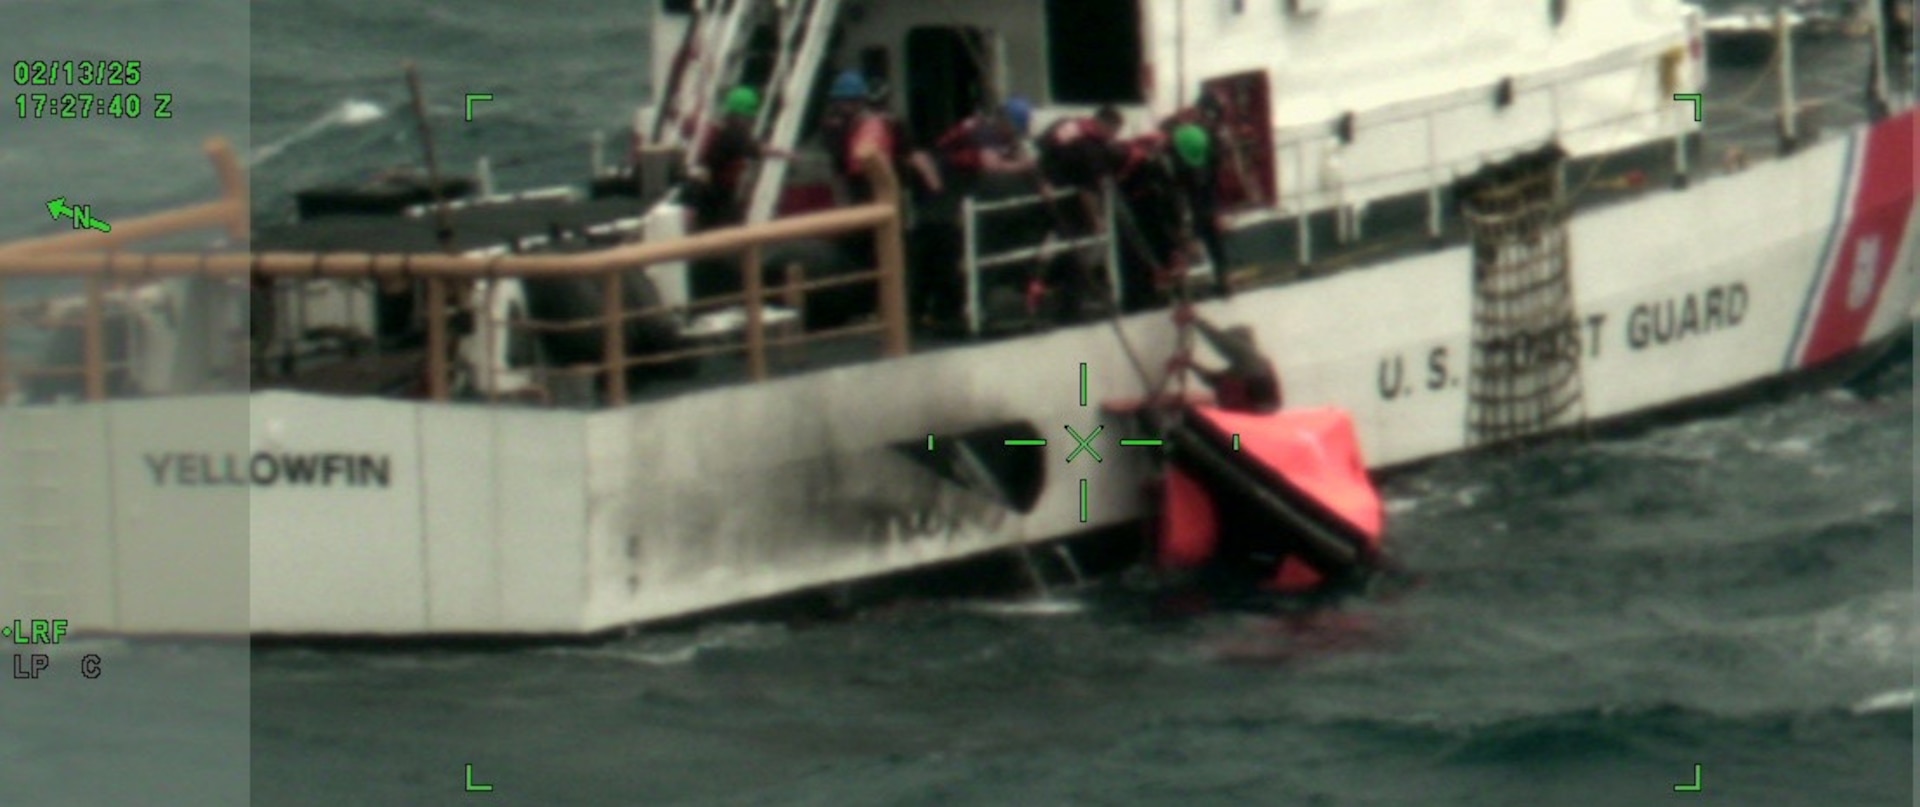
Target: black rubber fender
570,299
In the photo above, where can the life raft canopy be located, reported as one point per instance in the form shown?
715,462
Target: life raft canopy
1293,482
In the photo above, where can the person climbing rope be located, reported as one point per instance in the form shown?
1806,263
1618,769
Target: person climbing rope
1249,383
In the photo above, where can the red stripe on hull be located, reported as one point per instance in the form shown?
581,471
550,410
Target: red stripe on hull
1876,228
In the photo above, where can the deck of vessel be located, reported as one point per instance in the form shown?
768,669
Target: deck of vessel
1741,112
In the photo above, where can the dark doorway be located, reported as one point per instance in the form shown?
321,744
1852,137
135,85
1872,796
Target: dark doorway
1246,175
943,78
1094,51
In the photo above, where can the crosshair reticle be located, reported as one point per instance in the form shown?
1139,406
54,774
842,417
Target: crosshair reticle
1085,444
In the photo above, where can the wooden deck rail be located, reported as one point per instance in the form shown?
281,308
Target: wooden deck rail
96,258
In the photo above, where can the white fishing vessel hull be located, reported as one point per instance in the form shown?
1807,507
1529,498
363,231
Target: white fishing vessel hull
390,517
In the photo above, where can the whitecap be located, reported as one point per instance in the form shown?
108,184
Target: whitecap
1890,701
351,112
670,650
1792,447
1041,607
1879,507
1874,629
354,112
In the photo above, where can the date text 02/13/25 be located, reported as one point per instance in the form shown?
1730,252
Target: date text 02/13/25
82,73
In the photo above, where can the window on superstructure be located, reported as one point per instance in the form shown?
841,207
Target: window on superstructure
1093,51
679,6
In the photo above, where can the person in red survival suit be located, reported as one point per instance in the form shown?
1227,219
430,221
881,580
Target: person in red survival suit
1151,247
988,143
854,129
1248,383
991,143
1080,154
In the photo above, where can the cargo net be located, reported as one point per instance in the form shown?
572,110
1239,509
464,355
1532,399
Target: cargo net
1524,371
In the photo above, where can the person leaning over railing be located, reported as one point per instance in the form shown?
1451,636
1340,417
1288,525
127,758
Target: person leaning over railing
1080,154
987,143
990,143
1153,239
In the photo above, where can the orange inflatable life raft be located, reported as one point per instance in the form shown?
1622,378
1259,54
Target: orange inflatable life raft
1287,491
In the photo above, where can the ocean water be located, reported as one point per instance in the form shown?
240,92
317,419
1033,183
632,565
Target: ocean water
331,102
1595,619
122,167
161,724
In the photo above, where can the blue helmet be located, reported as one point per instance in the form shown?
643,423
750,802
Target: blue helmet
1019,113
849,86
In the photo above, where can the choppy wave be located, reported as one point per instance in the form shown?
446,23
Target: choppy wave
1897,700
348,113
676,649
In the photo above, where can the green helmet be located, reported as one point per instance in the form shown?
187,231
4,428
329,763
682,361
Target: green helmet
1192,144
743,101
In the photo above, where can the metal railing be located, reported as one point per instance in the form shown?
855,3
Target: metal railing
972,263
98,260
1346,190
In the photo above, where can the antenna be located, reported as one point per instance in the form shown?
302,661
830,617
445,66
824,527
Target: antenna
445,229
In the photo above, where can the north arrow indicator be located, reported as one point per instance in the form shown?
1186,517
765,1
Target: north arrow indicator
82,216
